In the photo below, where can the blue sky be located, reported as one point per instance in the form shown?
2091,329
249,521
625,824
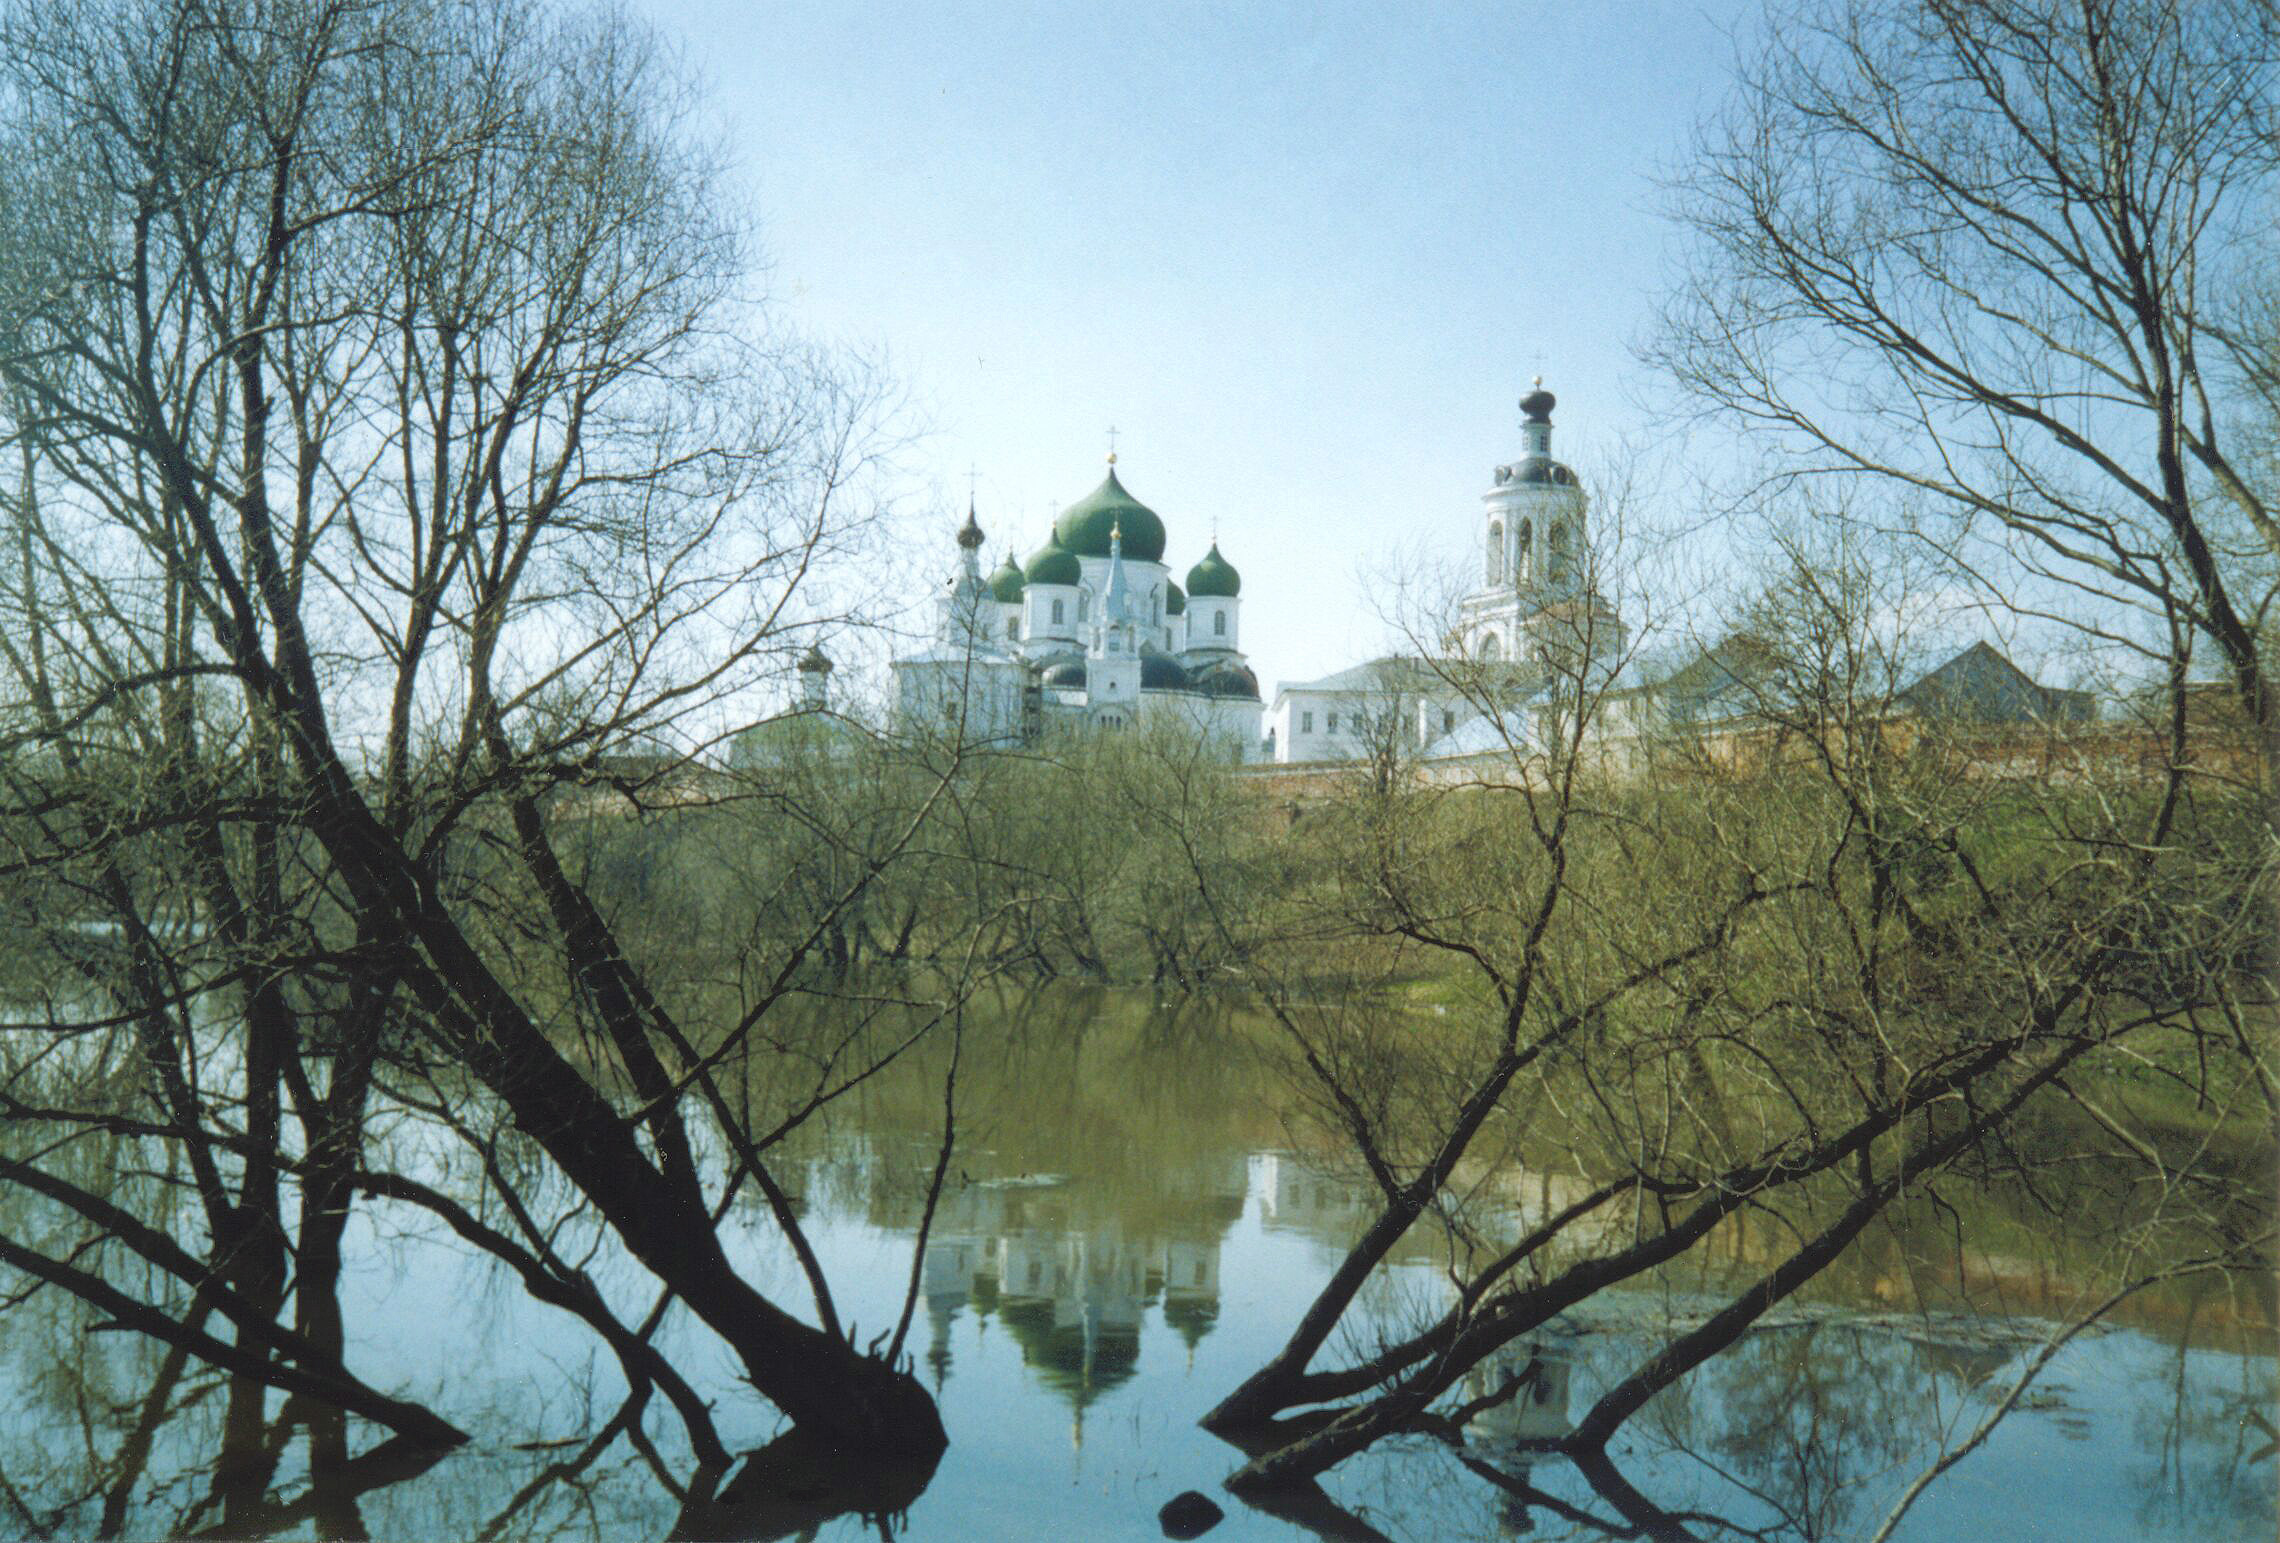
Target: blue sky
1305,258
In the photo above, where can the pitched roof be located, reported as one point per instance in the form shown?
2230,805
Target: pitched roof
1512,729
1408,672
1980,682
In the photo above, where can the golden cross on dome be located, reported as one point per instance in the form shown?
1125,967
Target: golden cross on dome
1112,444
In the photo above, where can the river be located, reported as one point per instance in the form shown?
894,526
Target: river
1136,1211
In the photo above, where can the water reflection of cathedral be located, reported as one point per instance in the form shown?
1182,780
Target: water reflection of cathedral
1299,1195
1300,1198
1531,1383
1070,1273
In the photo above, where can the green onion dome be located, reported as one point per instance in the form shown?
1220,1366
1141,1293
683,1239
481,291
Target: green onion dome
1084,527
1054,563
1161,672
1537,469
1232,681
1215,576
1006,583
1175,599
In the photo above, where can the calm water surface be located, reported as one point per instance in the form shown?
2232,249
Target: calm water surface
1132,1227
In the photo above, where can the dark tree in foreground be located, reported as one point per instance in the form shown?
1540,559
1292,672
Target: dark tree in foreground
1798,964
398,491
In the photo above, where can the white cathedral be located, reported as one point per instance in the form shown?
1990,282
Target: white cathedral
1091,631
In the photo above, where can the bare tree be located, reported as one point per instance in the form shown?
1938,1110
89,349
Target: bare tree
403,484
2007,257
1799,969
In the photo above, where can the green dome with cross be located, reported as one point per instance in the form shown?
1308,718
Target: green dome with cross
1215,577
1086,525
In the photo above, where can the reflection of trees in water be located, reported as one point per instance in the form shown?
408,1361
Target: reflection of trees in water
1815,1417
1136,1121
1802,1417
1808,1431
1810,1425
2211,1445
116,1434
1103,1190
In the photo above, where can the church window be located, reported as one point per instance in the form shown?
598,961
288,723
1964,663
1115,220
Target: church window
1058,617
1333,727
1527,558
1558,567
1491,648
1084,605
1013,627
1154,601
1496,551
1448,720
1306,723
1219,623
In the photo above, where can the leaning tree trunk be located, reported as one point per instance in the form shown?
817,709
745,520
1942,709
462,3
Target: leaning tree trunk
820,1381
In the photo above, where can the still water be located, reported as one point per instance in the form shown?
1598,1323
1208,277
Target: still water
1135,1217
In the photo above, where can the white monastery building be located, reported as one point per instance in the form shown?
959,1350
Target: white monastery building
1090,632
1534,615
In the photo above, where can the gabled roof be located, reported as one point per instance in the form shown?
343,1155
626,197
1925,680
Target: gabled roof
1512,729
1734,659
797,733
1408,672
1738,675
1983,684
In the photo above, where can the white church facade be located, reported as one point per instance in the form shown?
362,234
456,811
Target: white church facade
1091,632
1533,618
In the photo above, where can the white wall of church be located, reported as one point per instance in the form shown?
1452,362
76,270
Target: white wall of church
1349,725
1043,623
1229,724
1213,623
979,700
1316,726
